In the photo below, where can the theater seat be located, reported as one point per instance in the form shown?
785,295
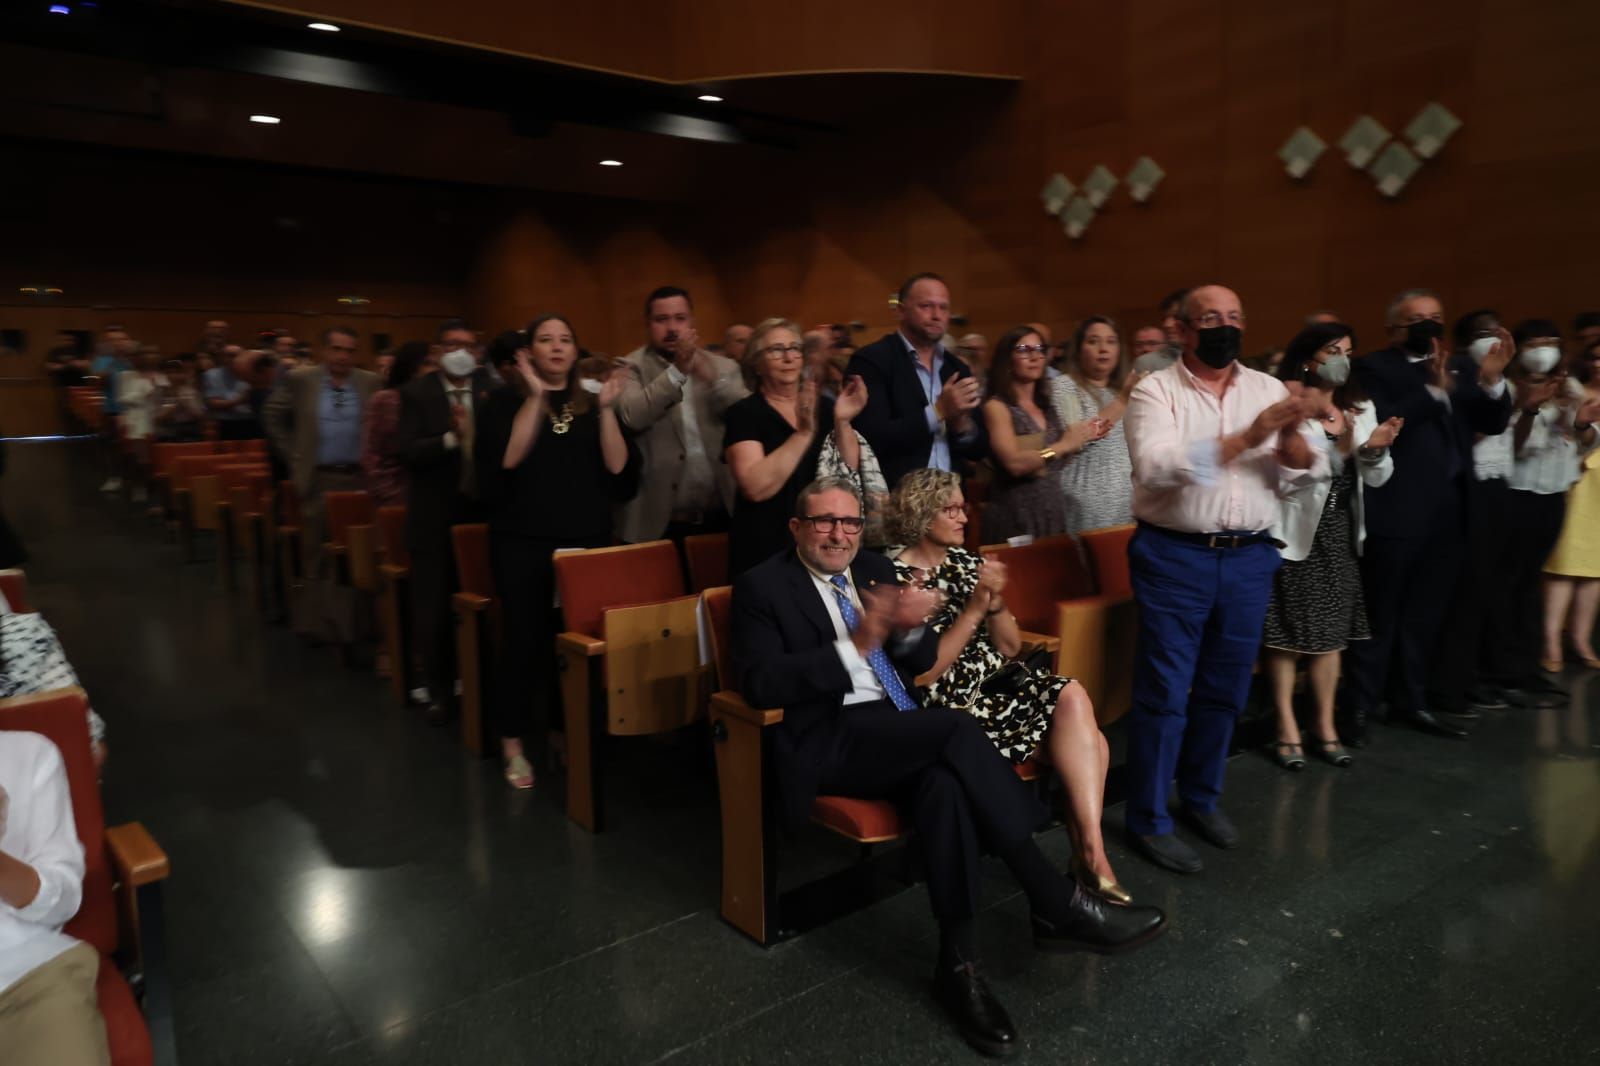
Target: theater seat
123,870
707,555
14,584
394,583
477,631
864,821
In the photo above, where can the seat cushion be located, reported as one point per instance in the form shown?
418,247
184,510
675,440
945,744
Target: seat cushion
126,1031
868,821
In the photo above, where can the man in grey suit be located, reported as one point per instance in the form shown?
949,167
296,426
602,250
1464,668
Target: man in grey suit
313,419
673,402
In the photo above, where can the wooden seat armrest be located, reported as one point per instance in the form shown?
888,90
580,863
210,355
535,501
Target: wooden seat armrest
1098,600
291,531
733,705
136,856
580,643
471,601
394,571
1036,641
335,549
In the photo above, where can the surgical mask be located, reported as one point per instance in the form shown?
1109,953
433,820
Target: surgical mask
1540,360
1218,346
459,363
1336,370
1421,335
1481,348
591,386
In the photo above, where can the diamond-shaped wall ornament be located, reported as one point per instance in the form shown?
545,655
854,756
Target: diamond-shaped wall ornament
1392,169
1076,217
1433,126
1143,178
1301,152
1098,185
1056,192
1362,141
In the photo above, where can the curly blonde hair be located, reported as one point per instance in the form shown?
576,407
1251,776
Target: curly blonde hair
920,496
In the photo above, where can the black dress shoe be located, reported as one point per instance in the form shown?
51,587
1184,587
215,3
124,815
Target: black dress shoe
1093,924
1213,826
979,1017
1537,692
1353,728
1167,851
1423,720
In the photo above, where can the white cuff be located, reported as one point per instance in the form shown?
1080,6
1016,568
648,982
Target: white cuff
451,441
1204,458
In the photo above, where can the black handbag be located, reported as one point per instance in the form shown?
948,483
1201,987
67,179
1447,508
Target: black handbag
1009,679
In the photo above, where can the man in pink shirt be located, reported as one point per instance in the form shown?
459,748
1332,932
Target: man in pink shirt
1213,443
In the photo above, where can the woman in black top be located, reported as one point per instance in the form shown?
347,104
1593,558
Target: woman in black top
552,459
772,439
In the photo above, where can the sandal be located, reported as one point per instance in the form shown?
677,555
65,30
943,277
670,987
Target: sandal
519,773
1288,756
1551,666
1331,751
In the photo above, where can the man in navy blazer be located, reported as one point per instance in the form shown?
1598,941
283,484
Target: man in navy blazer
921,399
834,640
1416,523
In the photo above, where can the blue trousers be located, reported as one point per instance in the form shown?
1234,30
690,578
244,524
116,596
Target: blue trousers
1200,615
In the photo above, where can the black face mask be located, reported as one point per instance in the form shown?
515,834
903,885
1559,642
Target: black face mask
1218,346
1421,335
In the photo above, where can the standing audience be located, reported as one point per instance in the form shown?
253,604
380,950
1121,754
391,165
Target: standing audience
1317,605
227,395
674,396
921,400
773,440
1572,573
1211,442
381,461
552,459
1096,480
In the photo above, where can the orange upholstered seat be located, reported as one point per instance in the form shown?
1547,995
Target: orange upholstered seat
1108,555
865,821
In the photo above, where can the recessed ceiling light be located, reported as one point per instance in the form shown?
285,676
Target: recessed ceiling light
708,98
266,120
611,162
60,9
325,27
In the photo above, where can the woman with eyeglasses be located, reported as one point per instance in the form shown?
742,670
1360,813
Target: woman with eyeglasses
774,437
552,459
1097,480
1024,709
1572,573
1317,604
1028,442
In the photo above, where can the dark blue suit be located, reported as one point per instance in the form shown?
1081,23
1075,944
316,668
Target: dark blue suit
895,420
937,765
1416,523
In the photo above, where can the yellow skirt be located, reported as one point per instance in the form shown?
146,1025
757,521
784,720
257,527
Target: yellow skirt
1577,553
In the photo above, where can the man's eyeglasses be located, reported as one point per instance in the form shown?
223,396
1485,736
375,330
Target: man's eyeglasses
1411,320
825,523
1030,349
1213,319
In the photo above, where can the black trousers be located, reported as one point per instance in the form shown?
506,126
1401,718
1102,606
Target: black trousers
1408,583
434,581
525,663
945,774
1464,652
1519,630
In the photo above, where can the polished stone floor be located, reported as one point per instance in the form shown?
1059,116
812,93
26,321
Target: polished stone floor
348,887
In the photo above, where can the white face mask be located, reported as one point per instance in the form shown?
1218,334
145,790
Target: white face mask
591,386
459,363
1541,360
1481,347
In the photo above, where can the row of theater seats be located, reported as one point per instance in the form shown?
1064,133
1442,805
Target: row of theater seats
630,648
121,913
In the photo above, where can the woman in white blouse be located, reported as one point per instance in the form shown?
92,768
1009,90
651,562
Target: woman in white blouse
1552,431
1317,606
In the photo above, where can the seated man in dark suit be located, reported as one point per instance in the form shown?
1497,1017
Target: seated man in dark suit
833,639
1417,522
921,399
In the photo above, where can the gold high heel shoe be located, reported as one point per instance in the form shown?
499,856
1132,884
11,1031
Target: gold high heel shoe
1107,889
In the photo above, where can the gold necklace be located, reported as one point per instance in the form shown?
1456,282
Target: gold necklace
562,423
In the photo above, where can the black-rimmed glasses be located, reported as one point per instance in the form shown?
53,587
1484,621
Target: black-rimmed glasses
825,523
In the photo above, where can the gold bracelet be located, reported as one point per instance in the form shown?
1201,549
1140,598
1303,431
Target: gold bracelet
1047,454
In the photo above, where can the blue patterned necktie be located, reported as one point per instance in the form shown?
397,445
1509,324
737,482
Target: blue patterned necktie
878,659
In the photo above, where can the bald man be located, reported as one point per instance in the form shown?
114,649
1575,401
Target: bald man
1211,442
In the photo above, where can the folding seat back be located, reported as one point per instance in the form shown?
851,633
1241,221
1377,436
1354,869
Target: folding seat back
477,631
1040,575
707,554
14,585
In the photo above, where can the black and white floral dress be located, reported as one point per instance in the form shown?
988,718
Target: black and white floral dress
1016,722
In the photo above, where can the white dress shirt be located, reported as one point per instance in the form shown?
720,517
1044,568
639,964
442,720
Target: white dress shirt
36,827
455,394
866,686
698,488
1551,458
1175,426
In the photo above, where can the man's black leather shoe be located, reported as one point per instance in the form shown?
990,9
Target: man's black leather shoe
1097,926
1423,720
1213,826
979,1017
1167,851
